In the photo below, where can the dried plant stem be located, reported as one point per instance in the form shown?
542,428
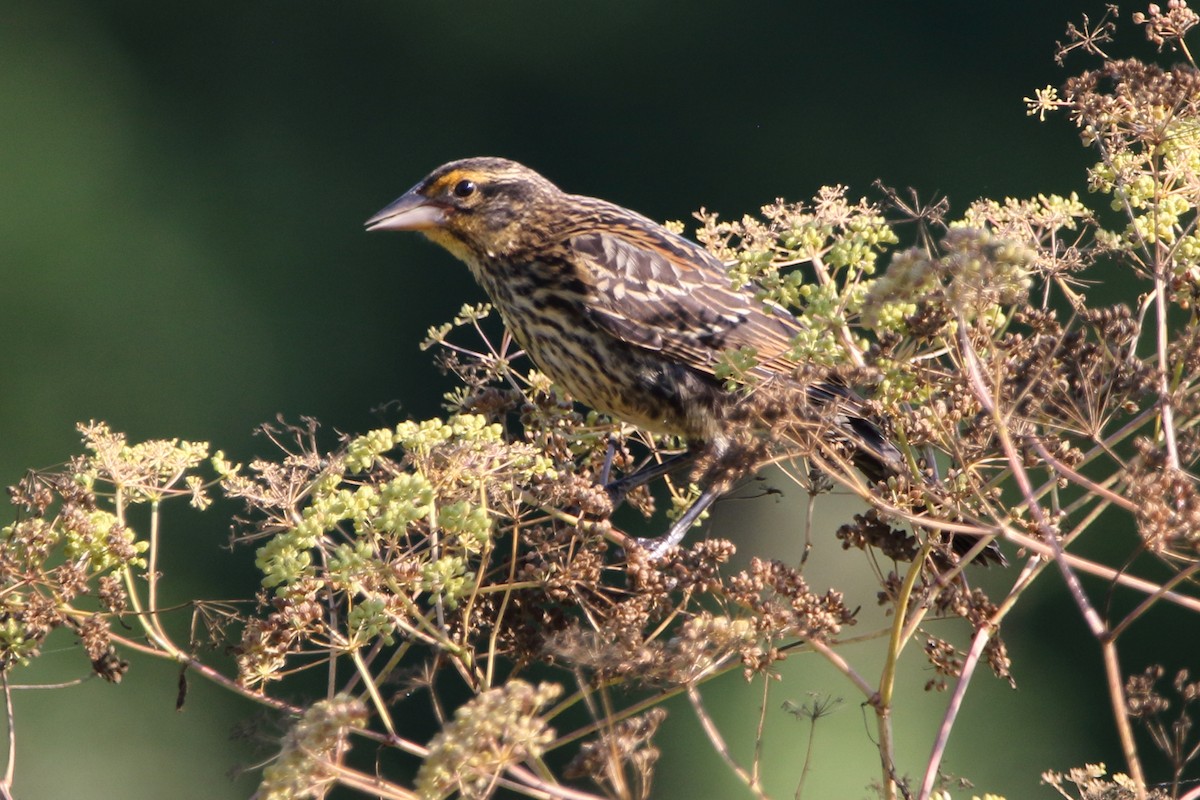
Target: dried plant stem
887,680
368,784
1165,404
1116,694
978,643
600,723
718,743
490,671
372,689
843,666
1154,597
211,674
758,733
528,783
1102,571
539,789
1096,490
393,661
521,780
808,753
146,618
10,732
606,716
1090,615
1029,573
152,569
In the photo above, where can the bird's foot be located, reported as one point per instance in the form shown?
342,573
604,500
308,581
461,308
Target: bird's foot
657,548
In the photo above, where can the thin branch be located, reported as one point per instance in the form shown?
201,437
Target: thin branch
1100,570
978,643
718,743
1153,598
1091,616
1080,479
843,666
10,764
1116,694
758,733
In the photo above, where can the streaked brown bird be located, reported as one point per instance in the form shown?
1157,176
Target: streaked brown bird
630,318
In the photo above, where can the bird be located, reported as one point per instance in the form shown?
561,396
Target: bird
629,317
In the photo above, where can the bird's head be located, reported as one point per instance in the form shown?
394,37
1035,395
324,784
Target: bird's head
475,208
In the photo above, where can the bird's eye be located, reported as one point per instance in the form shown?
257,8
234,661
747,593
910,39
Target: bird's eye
464,188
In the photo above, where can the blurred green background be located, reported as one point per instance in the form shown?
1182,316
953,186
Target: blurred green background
182,189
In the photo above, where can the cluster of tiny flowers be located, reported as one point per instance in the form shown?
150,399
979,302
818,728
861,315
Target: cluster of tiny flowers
706,642
900,382
1167,506
1160,190
1167,29
1145,121
72,538
142,472
783,605
628,743
1091,782
1043,222
467,453
977,275
492,731
839,239
305,766
469,314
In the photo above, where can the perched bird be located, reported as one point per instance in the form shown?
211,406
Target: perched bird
630,318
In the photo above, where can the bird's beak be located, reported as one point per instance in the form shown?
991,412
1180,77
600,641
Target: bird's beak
411,212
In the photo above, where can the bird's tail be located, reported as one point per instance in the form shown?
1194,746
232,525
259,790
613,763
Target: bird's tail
874,455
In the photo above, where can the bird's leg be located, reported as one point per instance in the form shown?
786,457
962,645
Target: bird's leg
610,452
679,529
724,455
618,489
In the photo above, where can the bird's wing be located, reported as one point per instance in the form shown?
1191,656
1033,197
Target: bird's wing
662,292
671,295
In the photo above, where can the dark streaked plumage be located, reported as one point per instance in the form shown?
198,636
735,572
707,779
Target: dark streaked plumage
627,316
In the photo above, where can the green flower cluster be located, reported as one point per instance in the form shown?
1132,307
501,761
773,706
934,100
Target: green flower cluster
18,645
736,368
468,315
836,237
976,277
448,469
838,241
103,542
92,538
312,749
370,619
447,579
900,382
816,346
1158,187
73,538
497,728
